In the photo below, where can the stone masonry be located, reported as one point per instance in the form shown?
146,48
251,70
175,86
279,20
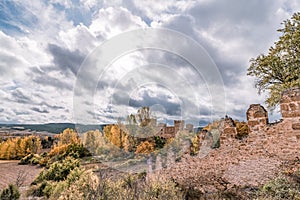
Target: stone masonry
228,130
257,117
269,149
290,103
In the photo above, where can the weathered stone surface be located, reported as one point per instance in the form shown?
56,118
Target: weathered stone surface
251,172
284,107
296,98
230,131
293,106
257,117
290,103
253,123
249,162
290,114
296,126
259,114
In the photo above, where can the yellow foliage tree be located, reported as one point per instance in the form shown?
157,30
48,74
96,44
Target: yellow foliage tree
68,136
16,148
118,137
145,148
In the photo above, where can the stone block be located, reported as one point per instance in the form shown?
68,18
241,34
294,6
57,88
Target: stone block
230,131
295,98
293,106
259,114
285,99
296,126
253,123
284,107
263,121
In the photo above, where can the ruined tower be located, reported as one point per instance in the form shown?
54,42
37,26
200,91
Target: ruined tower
179,125
257,117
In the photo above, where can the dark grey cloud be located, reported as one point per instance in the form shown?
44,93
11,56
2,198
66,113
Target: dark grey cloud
224,66
120,98
20,97
65,59
42,77
228,22
39,110
53,107
171,108
231,31
231,12
54,82
21,112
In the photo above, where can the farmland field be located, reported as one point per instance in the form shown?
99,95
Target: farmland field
10,171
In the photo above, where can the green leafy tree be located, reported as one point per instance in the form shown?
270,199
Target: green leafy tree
280,68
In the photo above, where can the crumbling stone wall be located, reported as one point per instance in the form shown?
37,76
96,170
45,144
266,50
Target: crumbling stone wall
257,117
253,161
228,130
290,103
190,127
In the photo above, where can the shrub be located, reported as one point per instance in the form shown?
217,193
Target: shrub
32,159
195,145
90,186
159,142
10,193
283,187
242,129
58,171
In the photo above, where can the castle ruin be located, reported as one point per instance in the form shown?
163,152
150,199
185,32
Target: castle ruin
257,115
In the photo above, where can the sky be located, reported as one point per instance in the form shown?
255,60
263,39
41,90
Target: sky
55,64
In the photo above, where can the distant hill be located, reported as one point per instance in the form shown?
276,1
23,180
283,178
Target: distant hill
54,127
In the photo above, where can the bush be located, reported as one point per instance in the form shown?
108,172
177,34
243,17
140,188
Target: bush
242,130
90,186
32,159
58,171
280,188
159,142
283,187
10,193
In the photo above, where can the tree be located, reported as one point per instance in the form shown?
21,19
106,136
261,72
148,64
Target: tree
68,136
92,140
145,148
280,68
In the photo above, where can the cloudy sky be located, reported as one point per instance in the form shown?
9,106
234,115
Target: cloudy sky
53,69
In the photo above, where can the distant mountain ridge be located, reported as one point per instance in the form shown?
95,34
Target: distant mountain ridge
55,127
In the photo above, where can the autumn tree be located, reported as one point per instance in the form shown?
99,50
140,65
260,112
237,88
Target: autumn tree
93,140
280,68
16,148
69,144
145,148
68,136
